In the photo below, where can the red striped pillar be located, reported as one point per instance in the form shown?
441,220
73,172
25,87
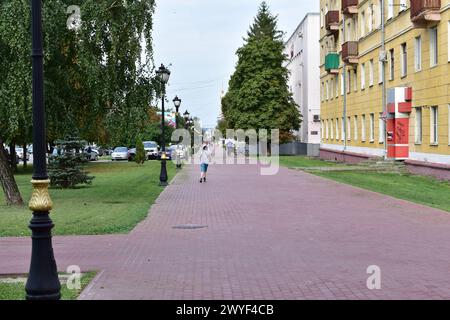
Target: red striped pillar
399,108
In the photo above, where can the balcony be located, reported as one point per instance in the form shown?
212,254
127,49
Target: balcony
332,63
350,6
332,21
424,12
350,52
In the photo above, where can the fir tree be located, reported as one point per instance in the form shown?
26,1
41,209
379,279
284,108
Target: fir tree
258,95
66,169
140,152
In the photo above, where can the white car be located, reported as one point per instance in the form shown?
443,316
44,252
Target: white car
151,149
119,153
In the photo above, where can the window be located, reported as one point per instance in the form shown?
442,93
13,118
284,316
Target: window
363,128
371,72
331,88
372,127
355,128
330,123
402,6
363,76
434,117
349,82
433,47
391,64
327,132
418,131
380,72
342,84
342,129
363,24
404,60
355,79
390,14
322,91
336,85
337,129
418,54
370,18
448,124
381,129
322,18
448,43
322,129
349,136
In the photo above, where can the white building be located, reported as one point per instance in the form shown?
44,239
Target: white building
303,50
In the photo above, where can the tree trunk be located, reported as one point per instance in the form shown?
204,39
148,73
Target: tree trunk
9,185
25,153
13,156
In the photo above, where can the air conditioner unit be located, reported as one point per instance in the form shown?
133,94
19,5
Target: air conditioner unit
316,118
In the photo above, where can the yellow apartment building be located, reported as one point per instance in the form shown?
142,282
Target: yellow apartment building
355,71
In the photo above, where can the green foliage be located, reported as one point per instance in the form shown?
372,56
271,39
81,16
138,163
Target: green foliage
258,95
140,152
97,84
66,170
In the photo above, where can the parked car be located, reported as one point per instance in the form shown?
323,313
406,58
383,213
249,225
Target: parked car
131,154
91,156
19,153
151,150
169,152
120,153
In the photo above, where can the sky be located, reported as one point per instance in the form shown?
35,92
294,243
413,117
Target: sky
199,39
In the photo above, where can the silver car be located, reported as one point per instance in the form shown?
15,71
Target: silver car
120,153
151,149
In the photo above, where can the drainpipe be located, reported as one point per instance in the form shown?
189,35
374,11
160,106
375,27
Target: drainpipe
344,123
383,56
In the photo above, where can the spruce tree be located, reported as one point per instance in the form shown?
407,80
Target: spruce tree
66,169
258,96
140,152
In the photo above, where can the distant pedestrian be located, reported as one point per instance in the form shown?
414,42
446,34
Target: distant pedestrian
230,147
205,159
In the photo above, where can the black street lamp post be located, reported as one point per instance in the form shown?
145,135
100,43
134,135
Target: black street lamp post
43,282
163,74
177,103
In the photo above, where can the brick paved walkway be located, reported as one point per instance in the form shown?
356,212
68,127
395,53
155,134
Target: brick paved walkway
290,236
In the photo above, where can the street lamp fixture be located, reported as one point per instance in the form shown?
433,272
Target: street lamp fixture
186,115
163,75
177,103
43,282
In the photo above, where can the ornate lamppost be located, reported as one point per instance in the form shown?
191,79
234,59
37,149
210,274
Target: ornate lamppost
43,282
163,74
177,103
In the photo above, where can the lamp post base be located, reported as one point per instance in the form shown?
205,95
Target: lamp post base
163,175
43,282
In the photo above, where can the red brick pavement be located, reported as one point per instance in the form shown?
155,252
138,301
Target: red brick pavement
289,236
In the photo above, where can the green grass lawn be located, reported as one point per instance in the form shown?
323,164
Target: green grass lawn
414,188
118,199
16,291
304,162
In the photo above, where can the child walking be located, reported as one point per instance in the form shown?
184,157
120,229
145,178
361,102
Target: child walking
205,159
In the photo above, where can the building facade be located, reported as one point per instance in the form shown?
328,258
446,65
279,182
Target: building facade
303,52
412,73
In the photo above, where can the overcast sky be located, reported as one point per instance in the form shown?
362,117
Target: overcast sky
200,38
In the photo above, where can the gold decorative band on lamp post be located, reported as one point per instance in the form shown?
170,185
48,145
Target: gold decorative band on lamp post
40,198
